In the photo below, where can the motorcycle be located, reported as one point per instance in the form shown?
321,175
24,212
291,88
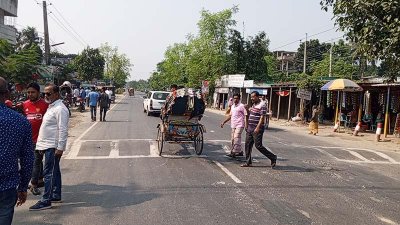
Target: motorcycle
81,104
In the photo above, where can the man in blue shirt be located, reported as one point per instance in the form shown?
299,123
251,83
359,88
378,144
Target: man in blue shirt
93,99
15,151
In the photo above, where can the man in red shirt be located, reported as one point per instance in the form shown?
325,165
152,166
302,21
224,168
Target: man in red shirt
34,110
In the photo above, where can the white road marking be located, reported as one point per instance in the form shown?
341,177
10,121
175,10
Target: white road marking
154,149
118,140
386,220
226,149
75,147
368,162
114,149
76,144
356,154
306,214
231,175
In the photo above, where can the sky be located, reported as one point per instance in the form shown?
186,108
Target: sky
144,29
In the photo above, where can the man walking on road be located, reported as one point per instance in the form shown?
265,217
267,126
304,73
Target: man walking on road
16,157
52,142
103,104
34,109
93,99
237,116
255,130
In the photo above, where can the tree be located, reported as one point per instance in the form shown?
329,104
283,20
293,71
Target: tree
28,38
374,26
256,50
236,61
89,64
117,66
315,52
18,66
140,85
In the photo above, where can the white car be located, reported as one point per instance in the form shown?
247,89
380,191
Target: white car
154,101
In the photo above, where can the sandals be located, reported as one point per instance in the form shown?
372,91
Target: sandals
246,165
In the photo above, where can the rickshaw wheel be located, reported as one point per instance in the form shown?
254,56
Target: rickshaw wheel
160,141
198,143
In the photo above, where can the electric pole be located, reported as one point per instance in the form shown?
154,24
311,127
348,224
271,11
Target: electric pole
46,35
330,60
305,55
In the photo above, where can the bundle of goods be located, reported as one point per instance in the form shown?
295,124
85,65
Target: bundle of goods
185,102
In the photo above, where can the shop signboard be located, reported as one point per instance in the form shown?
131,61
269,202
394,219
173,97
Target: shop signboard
259,90
236,80
304,94
222,90
248,83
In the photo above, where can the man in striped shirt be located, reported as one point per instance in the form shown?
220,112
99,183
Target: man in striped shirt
255,130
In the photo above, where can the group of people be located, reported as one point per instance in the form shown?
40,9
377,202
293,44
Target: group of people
252,120
100,100
41,132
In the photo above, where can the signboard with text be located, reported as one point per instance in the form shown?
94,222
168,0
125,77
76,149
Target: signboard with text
304,94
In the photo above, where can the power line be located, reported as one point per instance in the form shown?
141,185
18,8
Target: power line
59,23
62,17
312,35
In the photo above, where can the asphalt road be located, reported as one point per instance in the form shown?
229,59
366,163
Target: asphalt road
113,175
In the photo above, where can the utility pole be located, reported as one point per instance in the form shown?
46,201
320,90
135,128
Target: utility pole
305,55
330,60
46,35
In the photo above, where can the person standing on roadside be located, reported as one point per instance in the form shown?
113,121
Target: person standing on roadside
16,157
103,104
313,126
255,129
34,109
93,100
237,117
51,143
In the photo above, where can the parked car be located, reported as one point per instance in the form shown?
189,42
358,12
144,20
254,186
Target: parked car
154,101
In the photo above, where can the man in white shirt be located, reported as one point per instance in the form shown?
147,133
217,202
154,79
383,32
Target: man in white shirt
76,95
52,142
109,93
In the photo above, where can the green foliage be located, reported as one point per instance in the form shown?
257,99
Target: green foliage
374,26
315,52
307,82
203,57
89,64
140,85
18,65
117,66
256,50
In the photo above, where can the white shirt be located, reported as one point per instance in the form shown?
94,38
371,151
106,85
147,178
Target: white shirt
109,93
76,92
53,132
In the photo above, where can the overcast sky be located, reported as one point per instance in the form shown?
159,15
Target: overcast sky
144,29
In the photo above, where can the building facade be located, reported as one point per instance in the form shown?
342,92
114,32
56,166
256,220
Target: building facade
8,10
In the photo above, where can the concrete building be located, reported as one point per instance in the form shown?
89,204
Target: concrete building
286,61
8,10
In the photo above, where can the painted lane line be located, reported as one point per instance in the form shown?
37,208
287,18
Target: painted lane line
369,162
356,154
382,155
386,220
75,149
138,157
386,157
118,140
114,149
154,149
229,173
